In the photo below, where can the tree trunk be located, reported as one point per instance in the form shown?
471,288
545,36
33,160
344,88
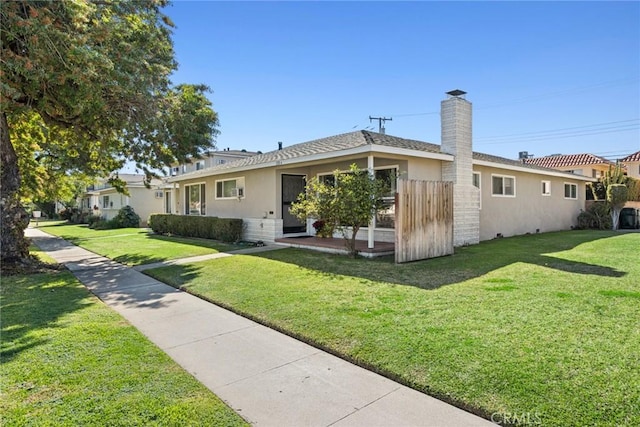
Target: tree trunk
13,217
351,242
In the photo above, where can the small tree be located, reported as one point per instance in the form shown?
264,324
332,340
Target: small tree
349,203
616,198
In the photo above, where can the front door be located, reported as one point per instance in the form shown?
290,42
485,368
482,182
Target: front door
292,185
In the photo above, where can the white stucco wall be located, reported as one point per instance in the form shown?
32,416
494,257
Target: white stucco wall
143,201
529,211
633,169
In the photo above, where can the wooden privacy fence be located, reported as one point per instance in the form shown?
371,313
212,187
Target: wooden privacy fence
424,219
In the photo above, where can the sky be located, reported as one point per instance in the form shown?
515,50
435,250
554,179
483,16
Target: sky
543,77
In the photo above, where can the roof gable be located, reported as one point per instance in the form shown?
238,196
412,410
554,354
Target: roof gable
635,157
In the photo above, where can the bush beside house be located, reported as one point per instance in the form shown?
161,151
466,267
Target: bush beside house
207,227
126,218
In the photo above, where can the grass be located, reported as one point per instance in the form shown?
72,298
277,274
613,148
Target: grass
69,360
134,246
544,327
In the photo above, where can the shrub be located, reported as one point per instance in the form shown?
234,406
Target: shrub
597,216
65,214
94,220
126,217
207,227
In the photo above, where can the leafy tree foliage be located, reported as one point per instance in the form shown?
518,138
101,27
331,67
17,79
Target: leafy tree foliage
44,181
93,77
348,204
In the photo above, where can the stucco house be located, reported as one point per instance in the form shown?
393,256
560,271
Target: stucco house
210,159
632,163
102,199
582,164
493,196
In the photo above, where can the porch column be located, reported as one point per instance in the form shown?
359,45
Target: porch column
372,221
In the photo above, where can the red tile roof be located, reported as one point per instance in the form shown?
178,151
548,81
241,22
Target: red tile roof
565,160
635,157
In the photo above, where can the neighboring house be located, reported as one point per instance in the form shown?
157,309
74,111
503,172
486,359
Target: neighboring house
493,196
103,200
632,163
580,164
210,159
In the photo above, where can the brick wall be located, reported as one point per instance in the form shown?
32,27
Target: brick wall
456,116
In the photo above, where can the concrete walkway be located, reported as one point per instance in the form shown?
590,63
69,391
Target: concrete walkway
269,378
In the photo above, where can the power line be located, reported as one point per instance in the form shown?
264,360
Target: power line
532,98
560,136
557,130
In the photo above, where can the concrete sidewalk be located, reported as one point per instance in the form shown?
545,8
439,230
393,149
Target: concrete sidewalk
269,378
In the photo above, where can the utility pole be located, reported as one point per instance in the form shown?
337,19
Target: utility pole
381,121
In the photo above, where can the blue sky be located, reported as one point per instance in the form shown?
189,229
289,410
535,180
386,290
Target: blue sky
543,77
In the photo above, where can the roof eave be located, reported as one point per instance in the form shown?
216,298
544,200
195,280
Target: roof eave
549,172
363,149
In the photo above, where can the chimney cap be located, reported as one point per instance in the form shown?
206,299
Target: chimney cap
456,92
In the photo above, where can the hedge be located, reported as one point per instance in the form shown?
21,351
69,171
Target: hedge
207,227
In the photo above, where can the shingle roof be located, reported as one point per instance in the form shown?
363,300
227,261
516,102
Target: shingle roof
568,160
329,144
508,162
342,142
635,157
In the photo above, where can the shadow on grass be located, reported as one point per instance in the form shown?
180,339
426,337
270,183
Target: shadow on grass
467,262
177,276
31,303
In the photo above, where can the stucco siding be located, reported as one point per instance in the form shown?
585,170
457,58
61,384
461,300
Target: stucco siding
529,211
633,169
423,169
144,202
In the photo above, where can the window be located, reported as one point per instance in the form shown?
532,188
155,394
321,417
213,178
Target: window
194,199
570,191
546,188
175,171
159,194
199,165
167,203
476,179
502,185
230,188
184,168
105,202
386,216
221,161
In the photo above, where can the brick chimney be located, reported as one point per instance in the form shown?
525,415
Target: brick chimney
457,140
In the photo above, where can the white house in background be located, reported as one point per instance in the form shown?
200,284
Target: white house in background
492,195
210,159
103,200
632,163
582,164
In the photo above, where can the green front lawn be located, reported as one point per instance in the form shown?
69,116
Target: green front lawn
134,246
69,360
542,327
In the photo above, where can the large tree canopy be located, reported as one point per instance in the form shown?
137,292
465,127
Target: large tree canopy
96,76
